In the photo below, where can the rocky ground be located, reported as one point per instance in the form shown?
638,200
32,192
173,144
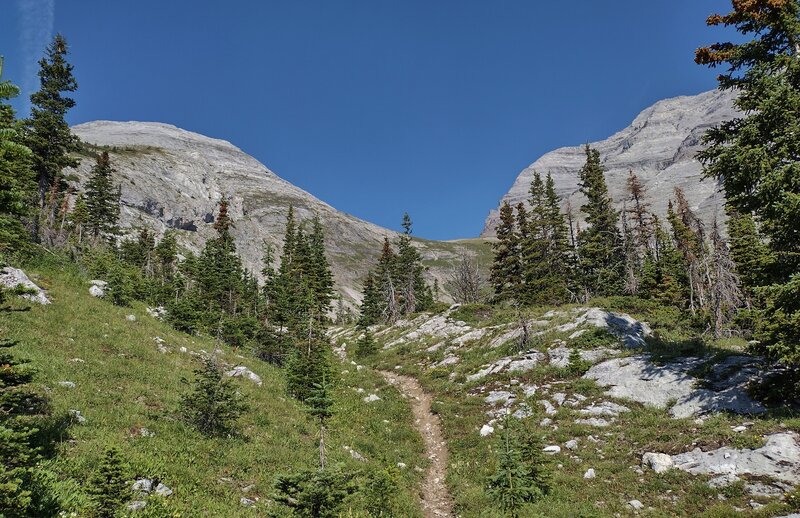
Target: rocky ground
478,372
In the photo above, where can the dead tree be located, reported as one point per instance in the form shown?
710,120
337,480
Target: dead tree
465,281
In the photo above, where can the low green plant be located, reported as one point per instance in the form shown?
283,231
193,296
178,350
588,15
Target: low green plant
213,405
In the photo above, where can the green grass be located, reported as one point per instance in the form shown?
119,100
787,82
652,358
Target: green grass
123,384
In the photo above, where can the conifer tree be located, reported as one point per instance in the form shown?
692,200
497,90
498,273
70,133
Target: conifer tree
754,156
108,485
16,176
212,405
321,408
663,271
370,311
505,273
102,200
21,409
319,269
47,132
366,346
79,219
414,292
386,277
600,245
689,236
749,251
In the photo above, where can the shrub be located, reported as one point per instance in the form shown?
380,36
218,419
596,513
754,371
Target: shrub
213,405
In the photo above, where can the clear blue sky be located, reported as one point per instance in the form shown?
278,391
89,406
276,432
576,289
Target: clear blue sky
377,107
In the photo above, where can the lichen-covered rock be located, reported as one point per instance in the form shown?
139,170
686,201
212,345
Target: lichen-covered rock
241,371
778,459
11,278
639,379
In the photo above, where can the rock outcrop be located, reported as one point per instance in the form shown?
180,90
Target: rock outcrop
659,146
14,278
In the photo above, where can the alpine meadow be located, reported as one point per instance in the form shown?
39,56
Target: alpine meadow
184,333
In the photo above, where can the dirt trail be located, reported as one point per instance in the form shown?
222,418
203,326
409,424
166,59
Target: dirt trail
436,501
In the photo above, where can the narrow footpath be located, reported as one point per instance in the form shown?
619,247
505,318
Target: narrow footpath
436,501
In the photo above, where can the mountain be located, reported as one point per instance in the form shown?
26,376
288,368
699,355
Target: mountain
173,179
659,146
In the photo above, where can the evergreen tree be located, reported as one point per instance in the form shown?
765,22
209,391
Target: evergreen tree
47,132
751,254
21,410
688,234
321,408
366,345
663,271
108,485
505,273
600,245
319,269
415,295
315,493
386,277
102,200
754,156
16,176
370,311
213,405
519,477
79,219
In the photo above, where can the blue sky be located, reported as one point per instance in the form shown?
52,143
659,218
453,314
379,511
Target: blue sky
376,107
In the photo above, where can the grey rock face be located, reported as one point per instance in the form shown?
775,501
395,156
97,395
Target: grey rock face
659,146
174,179
778,459
638,379
11,278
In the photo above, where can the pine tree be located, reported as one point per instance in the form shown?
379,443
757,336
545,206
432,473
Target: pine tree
366,345
108,485
415,295
505,274
600,245
102,200
370,311
754,156
16,175
321,408
386,279
21,410
319,269
79,219
689,236
520,477
47,132
751,254
212,405
663,271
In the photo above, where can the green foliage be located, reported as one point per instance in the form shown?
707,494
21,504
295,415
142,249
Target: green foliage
16,176
546,261
397,285
506,273
366,345
47,133
102,200
309,364
600,245
315,493
753,157
378,491
521,476
21,412
108,485
212,405
594,339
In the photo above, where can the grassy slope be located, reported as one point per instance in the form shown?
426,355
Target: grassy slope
617,454
124,383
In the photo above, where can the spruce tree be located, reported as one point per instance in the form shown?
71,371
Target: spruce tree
415,295
689,236
749,251
108,485
102,200
366,345
505,273
21,410
600,245
754,156
47,132
16,175
370,310
212,405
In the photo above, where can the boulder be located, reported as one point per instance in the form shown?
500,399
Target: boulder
589,474
658,462
371,398
97,288
243,372
14,278
486,430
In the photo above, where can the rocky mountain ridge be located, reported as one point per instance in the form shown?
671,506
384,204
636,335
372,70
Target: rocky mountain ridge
659,146
174,179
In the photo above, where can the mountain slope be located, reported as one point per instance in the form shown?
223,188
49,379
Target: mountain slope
173,178
125,371
659,146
